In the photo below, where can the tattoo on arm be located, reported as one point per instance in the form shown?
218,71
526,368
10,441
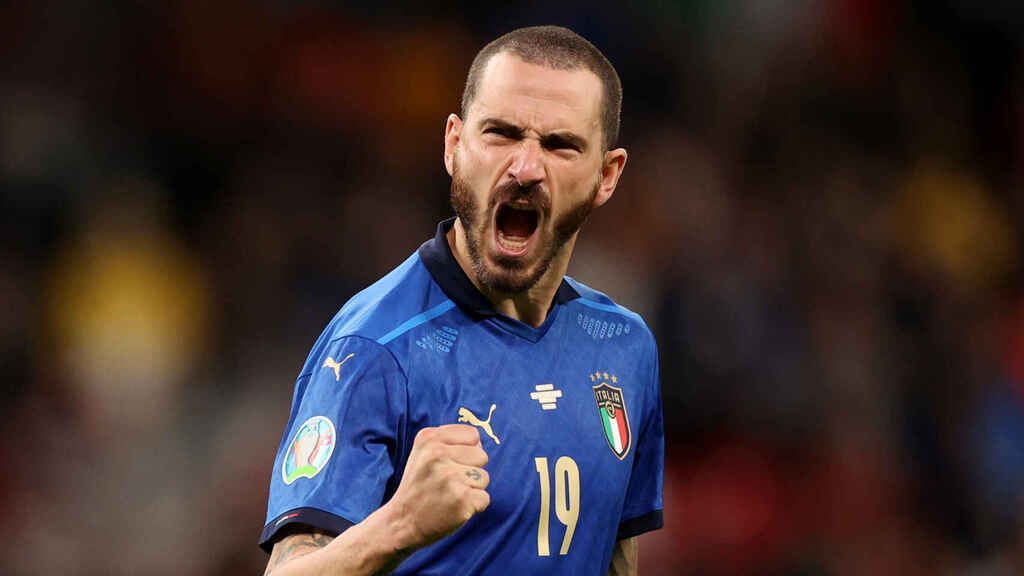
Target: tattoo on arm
625,558
299,544
295,545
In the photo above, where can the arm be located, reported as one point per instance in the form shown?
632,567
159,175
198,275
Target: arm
295,545
625,558
355,551
444,486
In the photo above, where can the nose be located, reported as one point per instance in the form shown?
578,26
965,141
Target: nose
527,167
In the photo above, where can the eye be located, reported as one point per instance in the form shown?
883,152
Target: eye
556,143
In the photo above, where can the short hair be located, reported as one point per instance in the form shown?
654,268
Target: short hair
561,49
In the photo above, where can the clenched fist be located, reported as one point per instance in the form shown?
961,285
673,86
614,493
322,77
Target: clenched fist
444,483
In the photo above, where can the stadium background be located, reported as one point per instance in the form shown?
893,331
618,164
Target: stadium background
821,219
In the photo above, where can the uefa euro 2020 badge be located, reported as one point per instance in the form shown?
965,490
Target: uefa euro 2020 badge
309,450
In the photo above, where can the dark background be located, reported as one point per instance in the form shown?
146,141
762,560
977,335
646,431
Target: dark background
821,220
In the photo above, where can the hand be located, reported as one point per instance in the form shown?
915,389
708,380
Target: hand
444,483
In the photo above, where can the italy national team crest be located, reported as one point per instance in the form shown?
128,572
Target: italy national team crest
611,405
309,450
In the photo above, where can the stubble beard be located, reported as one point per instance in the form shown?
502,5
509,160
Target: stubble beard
511,275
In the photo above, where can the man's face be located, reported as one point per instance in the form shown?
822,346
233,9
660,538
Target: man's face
526,168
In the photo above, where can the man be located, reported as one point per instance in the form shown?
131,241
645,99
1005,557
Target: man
475,411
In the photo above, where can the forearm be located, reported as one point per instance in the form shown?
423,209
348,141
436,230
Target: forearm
443,486
625,558
377,545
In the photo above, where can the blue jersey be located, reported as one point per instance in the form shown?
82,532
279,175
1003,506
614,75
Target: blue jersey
569,414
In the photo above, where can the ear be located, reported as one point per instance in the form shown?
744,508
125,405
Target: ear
611,168
452,133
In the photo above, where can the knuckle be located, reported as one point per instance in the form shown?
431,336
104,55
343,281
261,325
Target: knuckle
432,452
444,473
445,478
439,457
424,435
457,492
463,457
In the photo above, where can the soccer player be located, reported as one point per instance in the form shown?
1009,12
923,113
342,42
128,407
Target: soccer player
476,411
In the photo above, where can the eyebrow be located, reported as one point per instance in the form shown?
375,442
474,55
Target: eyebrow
553,139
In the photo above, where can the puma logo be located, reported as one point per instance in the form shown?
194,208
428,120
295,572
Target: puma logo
330,363
466,416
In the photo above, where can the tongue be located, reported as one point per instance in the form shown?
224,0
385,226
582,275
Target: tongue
517,223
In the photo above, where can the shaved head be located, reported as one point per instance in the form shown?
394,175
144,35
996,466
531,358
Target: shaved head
561,49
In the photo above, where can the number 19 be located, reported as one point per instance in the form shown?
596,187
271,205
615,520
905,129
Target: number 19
567,501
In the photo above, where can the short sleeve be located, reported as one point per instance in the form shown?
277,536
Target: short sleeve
341,446
642,511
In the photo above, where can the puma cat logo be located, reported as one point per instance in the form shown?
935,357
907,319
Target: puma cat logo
330,363
466,416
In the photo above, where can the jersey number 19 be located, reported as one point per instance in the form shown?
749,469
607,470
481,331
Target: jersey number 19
567,501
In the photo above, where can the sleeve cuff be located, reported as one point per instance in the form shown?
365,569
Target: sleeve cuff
636,526
313,517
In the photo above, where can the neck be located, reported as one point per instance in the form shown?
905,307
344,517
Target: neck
530,306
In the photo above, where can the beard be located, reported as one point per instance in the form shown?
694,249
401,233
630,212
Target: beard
513,275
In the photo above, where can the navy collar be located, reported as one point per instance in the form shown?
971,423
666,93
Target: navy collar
442,265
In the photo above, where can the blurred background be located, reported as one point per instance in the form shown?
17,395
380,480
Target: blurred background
822,220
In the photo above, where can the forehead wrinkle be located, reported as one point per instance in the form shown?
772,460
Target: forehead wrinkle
538,98
539,124
564,133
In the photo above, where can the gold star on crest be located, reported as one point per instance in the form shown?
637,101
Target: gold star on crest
600,376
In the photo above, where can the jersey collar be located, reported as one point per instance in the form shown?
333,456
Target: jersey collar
442,265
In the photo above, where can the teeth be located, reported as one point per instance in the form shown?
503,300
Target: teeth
512,242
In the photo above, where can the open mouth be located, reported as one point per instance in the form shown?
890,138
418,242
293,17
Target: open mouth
515,225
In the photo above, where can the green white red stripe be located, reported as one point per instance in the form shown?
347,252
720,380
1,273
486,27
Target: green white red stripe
611,406
615,428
